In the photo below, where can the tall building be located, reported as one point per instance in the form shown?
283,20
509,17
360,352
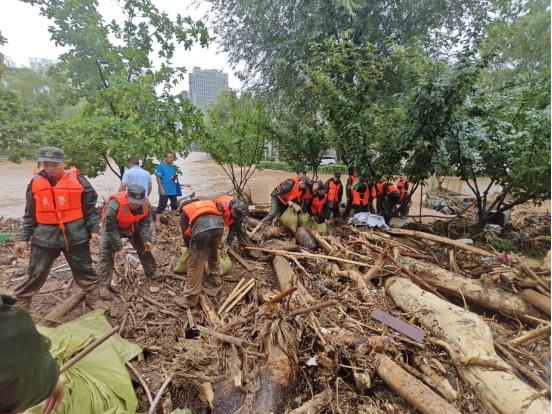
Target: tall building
205,86
40,63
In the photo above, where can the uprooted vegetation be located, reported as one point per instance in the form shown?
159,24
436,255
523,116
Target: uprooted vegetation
474,335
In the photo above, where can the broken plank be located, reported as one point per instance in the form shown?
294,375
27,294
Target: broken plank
411,331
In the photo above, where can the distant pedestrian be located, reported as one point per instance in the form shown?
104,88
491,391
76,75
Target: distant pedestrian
169,188
134,174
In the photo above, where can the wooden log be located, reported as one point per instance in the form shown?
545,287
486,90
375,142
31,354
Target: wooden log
537,299
523,266
487,296
530,336
445,240
240,259
356,277
500,391
412,390
315,404
318,306
310,255
286,279
65,307
372,273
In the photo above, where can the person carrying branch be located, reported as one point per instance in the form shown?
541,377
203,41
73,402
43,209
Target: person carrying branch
202,228
127,214
60,216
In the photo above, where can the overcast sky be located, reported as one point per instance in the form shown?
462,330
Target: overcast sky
28,37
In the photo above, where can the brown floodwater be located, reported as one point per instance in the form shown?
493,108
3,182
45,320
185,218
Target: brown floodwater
199,173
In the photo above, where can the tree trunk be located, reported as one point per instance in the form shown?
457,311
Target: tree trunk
473,291
501,391
537,299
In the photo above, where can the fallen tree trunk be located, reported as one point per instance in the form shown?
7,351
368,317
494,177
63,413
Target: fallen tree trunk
473,291
501,391
445,240
411,389
286,279
537,299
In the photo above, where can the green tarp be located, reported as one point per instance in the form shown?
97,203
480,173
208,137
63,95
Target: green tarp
99,383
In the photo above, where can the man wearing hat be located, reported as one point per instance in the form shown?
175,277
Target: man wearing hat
60,216
285,194
126,215
234,211
335,193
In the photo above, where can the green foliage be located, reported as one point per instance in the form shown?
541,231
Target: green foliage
503,244
127,105
283,166
238,128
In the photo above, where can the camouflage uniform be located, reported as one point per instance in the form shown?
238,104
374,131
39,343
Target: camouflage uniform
47,242
111,243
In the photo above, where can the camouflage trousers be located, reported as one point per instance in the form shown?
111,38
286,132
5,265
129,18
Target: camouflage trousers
107,258
41,260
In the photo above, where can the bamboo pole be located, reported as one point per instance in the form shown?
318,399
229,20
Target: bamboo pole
309,255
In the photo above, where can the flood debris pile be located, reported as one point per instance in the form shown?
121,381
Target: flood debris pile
364,321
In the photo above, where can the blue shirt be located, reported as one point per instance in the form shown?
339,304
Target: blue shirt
137,175
165,172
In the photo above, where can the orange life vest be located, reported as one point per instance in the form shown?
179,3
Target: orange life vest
295,192
196,209
404,195
125,217
318,205
223,202
333,190
61,203
379,188
401,184
359,200
390,188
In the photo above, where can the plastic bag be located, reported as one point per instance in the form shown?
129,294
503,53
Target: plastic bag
320,228
182,265
99,383
289,219
302,219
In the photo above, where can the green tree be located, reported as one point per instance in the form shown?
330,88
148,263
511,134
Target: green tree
128,107
238,128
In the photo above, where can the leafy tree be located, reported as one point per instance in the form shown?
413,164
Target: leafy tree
238,128
128,106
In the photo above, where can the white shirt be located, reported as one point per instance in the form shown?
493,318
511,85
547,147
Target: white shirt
137,175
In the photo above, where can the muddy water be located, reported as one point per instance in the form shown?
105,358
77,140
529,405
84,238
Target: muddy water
199,174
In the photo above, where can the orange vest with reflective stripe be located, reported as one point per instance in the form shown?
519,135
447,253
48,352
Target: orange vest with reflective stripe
224,202
401,183
196,209
333,190
125,218
357,201
318,205
61,203
294,193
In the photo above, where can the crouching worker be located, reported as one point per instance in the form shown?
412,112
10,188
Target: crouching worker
202,230
284,195
318,206
127,215
28,372
234,211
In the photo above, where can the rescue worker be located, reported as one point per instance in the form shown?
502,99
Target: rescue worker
127,214
284,195
335,193
202,228
404,199
360,194
234,211
380,196
28,372
318,206
350,181
60,216
392,196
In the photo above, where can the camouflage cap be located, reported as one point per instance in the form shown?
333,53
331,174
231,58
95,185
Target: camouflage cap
51,154
136,194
